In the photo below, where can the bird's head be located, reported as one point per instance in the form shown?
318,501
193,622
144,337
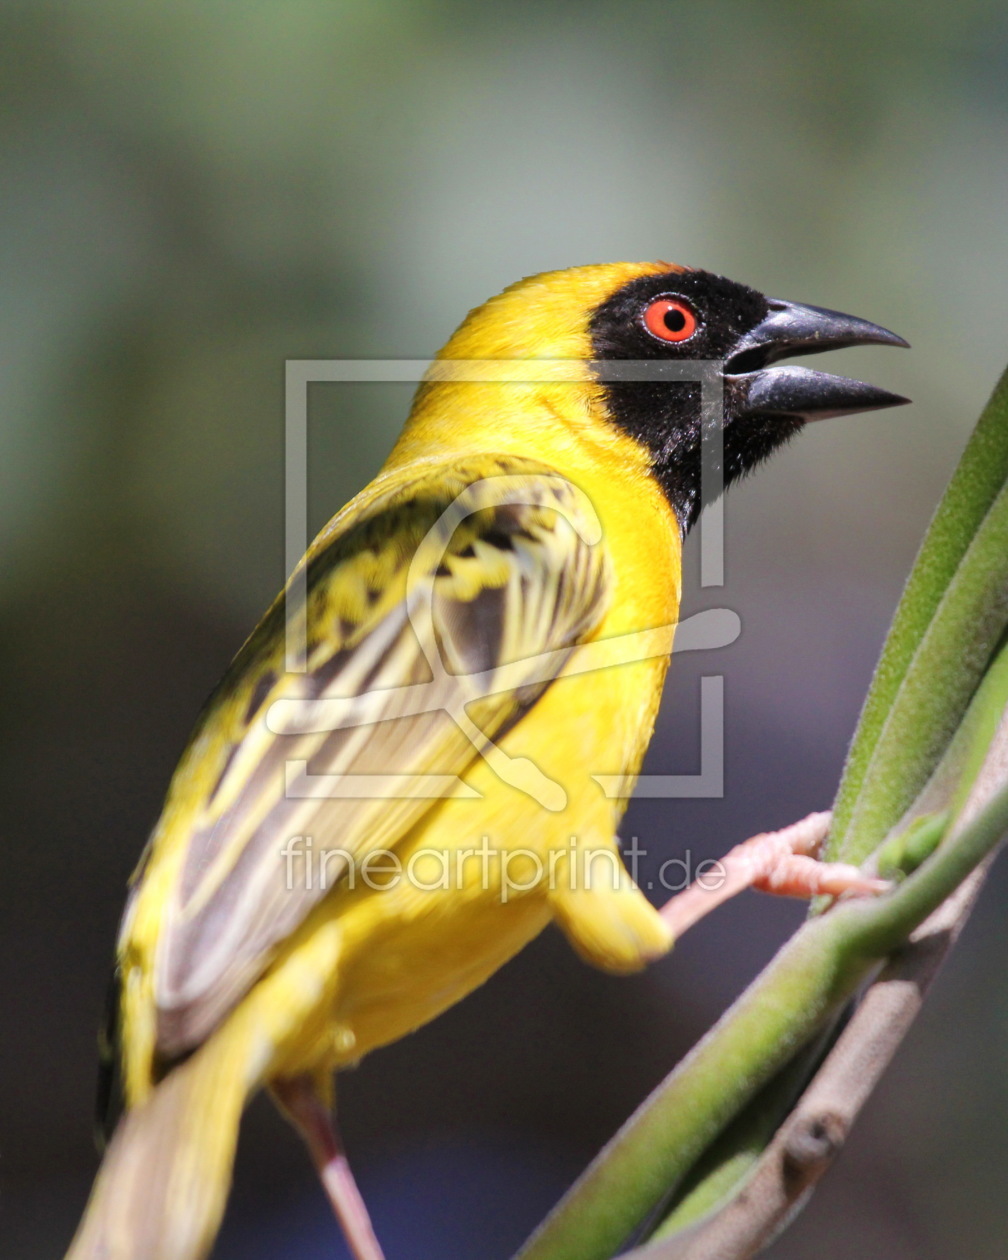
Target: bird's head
652,332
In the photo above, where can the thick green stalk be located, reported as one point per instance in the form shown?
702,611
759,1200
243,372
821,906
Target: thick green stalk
660,1143
818,970
725,1165
939,644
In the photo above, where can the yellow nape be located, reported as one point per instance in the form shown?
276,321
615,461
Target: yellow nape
562,419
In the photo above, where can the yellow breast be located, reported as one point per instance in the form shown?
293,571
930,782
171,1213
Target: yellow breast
471,884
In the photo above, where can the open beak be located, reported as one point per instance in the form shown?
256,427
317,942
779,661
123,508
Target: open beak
791,329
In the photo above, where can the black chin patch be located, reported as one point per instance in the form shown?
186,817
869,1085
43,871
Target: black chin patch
666,417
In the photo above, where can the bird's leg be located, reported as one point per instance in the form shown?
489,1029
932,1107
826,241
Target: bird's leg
784,862
299,1100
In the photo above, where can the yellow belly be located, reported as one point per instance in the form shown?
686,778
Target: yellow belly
409,950
472,884
378,957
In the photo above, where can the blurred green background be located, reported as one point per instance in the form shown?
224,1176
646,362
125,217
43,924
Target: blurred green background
193,193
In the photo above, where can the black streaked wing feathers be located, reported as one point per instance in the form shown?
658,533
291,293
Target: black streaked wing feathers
520,576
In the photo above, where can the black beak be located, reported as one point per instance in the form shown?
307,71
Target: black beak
791,329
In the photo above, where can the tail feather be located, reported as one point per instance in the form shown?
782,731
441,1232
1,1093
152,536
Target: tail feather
164,1181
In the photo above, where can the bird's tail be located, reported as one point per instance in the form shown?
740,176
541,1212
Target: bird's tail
164,1180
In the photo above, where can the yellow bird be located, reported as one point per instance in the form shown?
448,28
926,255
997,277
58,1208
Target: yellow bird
348,848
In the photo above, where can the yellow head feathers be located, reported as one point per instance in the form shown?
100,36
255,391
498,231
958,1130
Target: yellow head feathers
544,316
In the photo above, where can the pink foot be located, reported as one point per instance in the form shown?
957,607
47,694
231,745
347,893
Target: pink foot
783,862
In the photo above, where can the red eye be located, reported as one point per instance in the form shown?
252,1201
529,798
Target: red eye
670,319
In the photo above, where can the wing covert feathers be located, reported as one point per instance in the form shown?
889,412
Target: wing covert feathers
430,616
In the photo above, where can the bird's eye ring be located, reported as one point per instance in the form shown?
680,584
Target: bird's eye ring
670,319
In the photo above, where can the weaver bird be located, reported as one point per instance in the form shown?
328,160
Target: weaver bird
332,865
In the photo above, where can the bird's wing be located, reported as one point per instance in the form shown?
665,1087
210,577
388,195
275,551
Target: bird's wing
428,619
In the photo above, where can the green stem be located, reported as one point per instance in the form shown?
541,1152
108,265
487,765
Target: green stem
939,644
818,970
737,1150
